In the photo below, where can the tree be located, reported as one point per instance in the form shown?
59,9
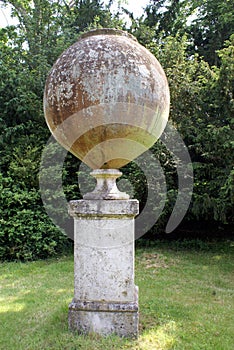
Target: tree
27,53
212,26
212,23
168,17
202,110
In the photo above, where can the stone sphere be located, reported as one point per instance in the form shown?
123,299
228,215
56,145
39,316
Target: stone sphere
106,99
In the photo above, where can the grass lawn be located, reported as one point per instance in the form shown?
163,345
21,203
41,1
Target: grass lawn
186,301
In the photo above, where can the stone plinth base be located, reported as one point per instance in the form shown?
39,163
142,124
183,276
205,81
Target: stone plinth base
105,296
104,318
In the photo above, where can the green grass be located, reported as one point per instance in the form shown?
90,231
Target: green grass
186,301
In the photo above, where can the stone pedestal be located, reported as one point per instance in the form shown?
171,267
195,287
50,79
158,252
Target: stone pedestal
105,296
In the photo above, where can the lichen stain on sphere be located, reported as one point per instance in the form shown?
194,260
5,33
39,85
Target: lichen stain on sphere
106,99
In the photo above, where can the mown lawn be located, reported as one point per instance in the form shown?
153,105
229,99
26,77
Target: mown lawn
186,301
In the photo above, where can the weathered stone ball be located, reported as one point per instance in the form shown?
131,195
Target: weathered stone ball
106,99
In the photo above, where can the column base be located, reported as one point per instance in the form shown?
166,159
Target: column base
104,318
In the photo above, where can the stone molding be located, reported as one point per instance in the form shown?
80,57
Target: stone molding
94,306
103,208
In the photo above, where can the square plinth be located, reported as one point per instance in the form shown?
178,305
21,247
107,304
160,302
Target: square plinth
105,296
104,318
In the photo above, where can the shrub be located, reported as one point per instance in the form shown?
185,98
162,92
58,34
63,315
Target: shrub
26,232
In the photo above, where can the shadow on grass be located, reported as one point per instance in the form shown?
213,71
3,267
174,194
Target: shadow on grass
28,324
181,295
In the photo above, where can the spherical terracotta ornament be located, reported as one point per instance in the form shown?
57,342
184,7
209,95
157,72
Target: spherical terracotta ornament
106,99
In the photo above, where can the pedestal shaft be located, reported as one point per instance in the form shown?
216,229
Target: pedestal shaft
105,297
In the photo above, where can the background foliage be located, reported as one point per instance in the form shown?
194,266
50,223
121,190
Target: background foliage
194,43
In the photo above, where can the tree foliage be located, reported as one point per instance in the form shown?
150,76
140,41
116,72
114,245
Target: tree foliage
168,17
208,23
197,55
213,25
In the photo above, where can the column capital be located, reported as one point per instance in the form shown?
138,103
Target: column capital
104,208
